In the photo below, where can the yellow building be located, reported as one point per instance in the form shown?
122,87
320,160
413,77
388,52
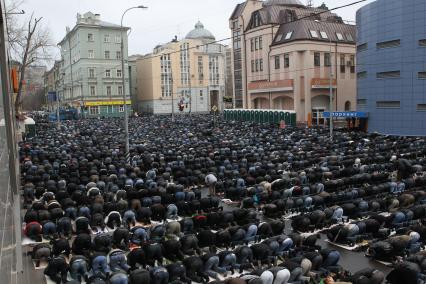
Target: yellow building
188,74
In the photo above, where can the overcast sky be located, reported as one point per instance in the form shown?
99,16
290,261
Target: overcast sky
159,24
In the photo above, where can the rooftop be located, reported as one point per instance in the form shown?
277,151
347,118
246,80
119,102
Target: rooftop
200,33
294,3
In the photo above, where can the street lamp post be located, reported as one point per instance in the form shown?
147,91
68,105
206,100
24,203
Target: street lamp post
331,84
123,75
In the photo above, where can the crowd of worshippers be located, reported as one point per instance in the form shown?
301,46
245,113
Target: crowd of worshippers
99,218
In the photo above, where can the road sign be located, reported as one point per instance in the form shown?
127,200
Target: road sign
214,108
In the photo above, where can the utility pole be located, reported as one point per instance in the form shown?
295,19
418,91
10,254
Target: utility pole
82,100
331,81
331,91
173,101
123,75
190,86
72,79
58,115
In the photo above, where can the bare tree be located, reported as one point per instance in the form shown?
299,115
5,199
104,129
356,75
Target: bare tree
35,101
29,44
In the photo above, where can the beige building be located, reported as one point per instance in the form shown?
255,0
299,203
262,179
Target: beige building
282,55
188,74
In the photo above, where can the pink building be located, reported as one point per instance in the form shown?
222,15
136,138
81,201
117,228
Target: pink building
283,52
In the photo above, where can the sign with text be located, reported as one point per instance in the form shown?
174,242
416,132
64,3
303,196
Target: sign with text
347,114
51,96
266,85
106,103
322,83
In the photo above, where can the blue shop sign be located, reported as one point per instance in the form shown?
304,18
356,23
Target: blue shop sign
347,114
51,96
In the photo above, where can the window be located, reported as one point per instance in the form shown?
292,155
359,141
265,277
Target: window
339,36
118,55
261,64
256,43
342,63
256,20
362,47
91,54
121,108
327,59
94,110
362,102
388,44
421,107
317,59
277,62
92,91
120,90
200,69
290,16
107,73
323,35
362,75
349,37
236,36
422,75
201,93
91,73
388,75
286,60
108,91
257,65
119,73
352,63
117,39
235,24
90,37
288,35
388,104
313,33
279,37
252,66
422,42
260,43
252,44
348,106
106,38
107,54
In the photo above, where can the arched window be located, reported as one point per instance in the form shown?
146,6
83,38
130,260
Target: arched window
348,106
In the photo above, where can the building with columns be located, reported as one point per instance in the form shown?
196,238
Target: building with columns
283,52
183,76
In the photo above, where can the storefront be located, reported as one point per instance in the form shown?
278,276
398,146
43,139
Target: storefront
355,120
320,101
272,95
105,109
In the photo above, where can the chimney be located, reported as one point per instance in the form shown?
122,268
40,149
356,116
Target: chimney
78,18
67,29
